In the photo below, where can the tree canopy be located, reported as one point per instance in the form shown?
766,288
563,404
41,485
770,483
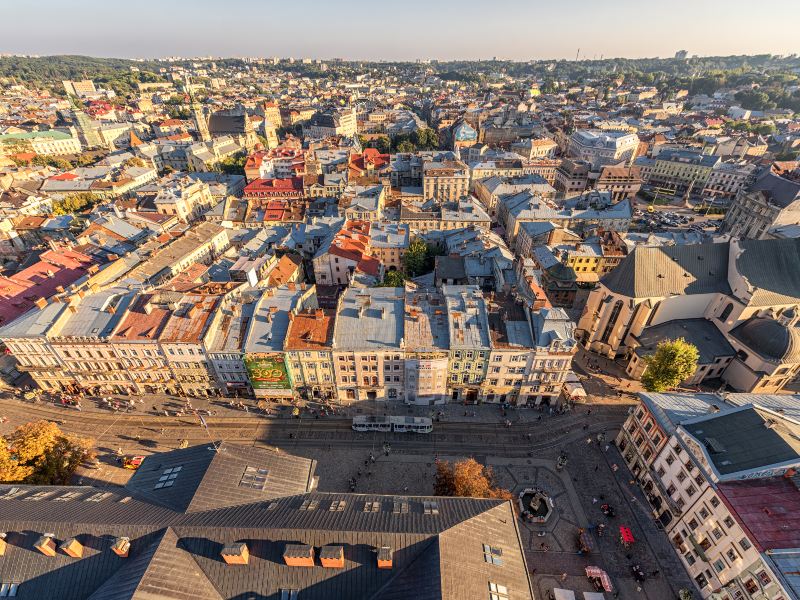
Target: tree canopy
672,362
39,453
467,478
73,203
392,279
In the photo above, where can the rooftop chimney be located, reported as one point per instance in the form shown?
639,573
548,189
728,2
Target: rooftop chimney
72,547
332,556
236,554
46,544
41,303
299,555
384,557
121,546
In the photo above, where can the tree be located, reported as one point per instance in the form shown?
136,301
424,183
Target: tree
467,478
383,144
73,203
406,146
685,594
392,279
40,453
233,165
416,257
672,362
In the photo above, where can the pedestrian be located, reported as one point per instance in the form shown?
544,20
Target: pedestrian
614,467
161,431
596,468
563,577
606,448
656,572
588,440
594,500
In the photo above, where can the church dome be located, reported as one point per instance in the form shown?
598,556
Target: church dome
770,339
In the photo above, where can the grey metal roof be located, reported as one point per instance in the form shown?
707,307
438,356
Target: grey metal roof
176,556
370,318
270,321
740,439
773,268
709,341
657,272
770,339
670,410
97,314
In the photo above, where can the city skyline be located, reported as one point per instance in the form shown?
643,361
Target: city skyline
453,31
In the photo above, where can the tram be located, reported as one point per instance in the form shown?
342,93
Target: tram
392,424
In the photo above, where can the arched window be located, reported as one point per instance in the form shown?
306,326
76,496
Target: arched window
726,312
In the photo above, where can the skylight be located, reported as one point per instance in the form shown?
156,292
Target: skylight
254,478
67,496
12,493
430,507
98,497
167,478
309,505
372,507
337,505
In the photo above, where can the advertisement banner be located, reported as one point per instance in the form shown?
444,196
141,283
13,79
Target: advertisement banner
267,372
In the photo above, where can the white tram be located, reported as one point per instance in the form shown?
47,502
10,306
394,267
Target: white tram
395,424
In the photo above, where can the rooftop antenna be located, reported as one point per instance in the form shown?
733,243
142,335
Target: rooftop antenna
577,54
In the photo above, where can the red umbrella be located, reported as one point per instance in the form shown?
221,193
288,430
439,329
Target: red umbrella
626,535
598,573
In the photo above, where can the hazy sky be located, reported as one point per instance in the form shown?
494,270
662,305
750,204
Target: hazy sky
399,29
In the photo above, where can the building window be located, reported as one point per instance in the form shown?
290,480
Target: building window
689,557
719,565
745,544
728,521
492,554
497,591
765,580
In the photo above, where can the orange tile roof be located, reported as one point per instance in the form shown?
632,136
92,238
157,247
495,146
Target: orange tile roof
283,271
311,330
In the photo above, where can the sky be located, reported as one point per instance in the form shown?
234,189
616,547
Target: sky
399,29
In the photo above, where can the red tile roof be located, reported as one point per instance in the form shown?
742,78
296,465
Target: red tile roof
769,509
55,269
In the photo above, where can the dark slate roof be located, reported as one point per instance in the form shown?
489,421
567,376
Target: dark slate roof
769,339
773,268
175,554
650,272
450,267
227,123
710,342
740,440
209,480
777,189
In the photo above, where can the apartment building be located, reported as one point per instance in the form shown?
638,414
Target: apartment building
345,255
717,475
679,171
181,342
622,182
446,180
489,189
224,342
468,330
368,356
333,122
572,177
388,243
427,347
309,354
48,143
727,180
264,355
772,201
511,342
185,198
599,147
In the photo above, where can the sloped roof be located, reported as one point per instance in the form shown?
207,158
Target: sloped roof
176,555
773,268
209,480
651,272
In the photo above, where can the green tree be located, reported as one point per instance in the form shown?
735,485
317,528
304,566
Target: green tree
416,257
392,279
406,146
40,453
74,203
685,594
383,144
672,362
233,165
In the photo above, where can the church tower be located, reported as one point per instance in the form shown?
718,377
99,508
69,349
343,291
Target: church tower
200,121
